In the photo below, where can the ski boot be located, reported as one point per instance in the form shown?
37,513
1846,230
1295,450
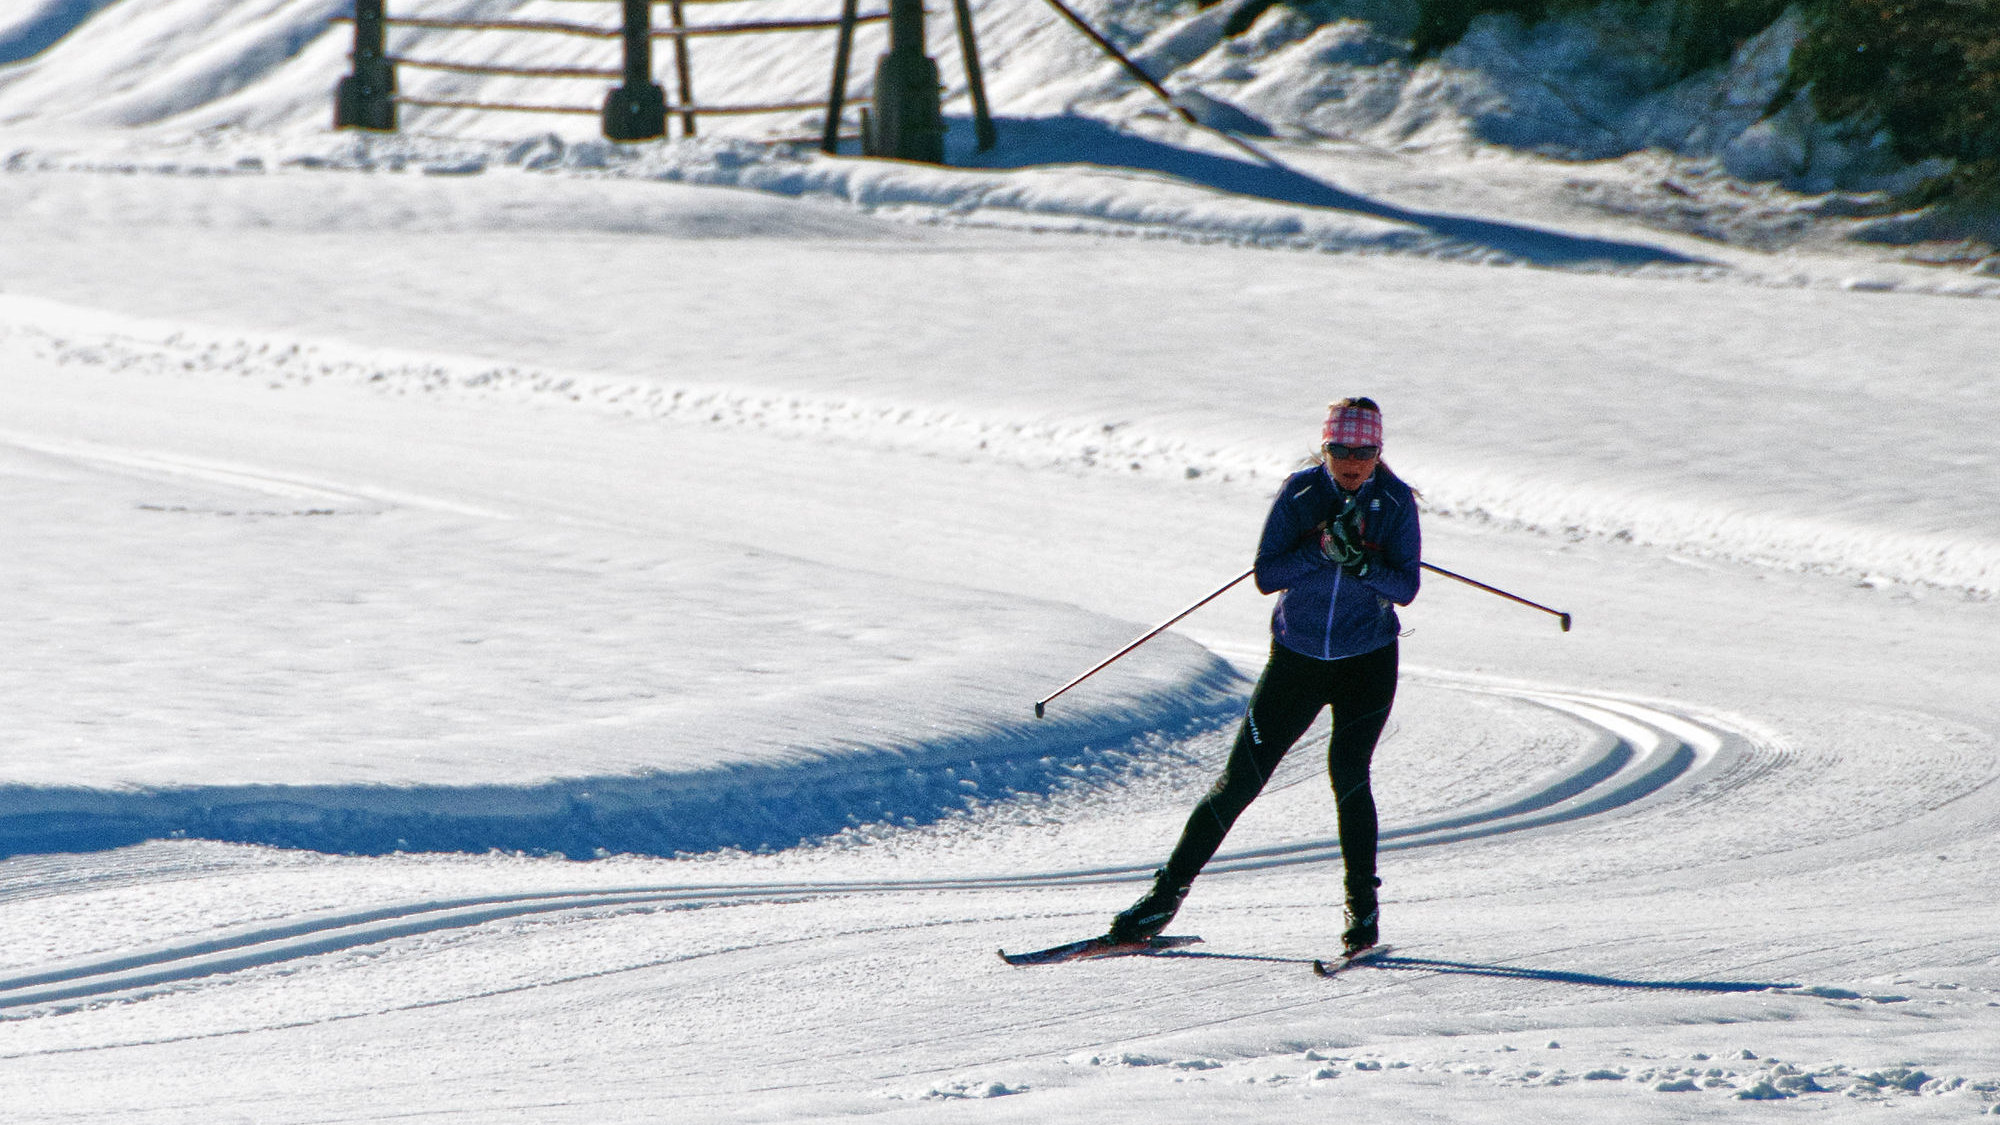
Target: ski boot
1363,917
1147,917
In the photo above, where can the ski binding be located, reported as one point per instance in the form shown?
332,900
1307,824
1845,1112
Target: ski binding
1349,960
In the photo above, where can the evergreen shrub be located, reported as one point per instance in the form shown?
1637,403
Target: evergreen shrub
1705,32
1926,70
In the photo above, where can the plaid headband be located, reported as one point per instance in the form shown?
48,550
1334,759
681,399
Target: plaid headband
1351,425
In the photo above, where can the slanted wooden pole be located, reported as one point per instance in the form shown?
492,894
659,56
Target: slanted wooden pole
975,81
836,98
684,69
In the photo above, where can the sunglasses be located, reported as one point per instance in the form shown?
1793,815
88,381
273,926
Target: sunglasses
1338,452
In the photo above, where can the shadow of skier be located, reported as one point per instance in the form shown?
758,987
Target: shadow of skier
1562,976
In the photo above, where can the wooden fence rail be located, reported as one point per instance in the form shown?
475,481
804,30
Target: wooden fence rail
591,111
594,31
368,97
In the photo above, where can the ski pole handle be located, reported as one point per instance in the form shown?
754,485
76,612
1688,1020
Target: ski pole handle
1156,631
1560,615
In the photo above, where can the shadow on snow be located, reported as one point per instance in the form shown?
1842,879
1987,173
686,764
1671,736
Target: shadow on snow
1393,962
750,808
1559,976
1031,142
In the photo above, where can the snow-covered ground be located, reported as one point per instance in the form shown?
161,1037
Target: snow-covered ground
555,638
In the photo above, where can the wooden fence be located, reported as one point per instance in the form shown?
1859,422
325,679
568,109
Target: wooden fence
637,109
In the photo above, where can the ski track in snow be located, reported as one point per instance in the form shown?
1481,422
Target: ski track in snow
1643,753
1773,864
1639,762
280,486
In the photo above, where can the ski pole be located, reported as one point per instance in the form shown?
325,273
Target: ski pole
1564,617
1156,631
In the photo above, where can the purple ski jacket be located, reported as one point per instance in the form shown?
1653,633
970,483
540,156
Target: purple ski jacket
1323,612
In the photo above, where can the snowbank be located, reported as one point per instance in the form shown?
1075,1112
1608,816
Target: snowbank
208,648
1582,86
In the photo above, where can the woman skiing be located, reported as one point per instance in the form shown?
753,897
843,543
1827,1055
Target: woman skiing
1341,550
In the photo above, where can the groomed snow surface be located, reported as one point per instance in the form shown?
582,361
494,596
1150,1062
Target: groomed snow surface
507,628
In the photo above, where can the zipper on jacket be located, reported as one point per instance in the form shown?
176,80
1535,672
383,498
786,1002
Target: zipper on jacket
1332,604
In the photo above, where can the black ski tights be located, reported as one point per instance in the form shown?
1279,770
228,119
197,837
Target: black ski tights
1288,697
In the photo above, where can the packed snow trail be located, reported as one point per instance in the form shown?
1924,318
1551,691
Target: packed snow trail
707,334
730,975
1638,752
457,468
1764,757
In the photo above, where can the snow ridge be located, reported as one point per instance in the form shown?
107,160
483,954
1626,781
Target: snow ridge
1964,563
753,808
1038,182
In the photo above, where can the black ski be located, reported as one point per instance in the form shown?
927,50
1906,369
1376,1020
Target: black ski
1350,960
1101,946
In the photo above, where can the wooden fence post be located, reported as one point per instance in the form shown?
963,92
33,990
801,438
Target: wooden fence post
908,122
366,98
637,110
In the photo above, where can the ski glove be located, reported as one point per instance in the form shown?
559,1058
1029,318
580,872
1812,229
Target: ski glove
1338,549
1340,536
1340,542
